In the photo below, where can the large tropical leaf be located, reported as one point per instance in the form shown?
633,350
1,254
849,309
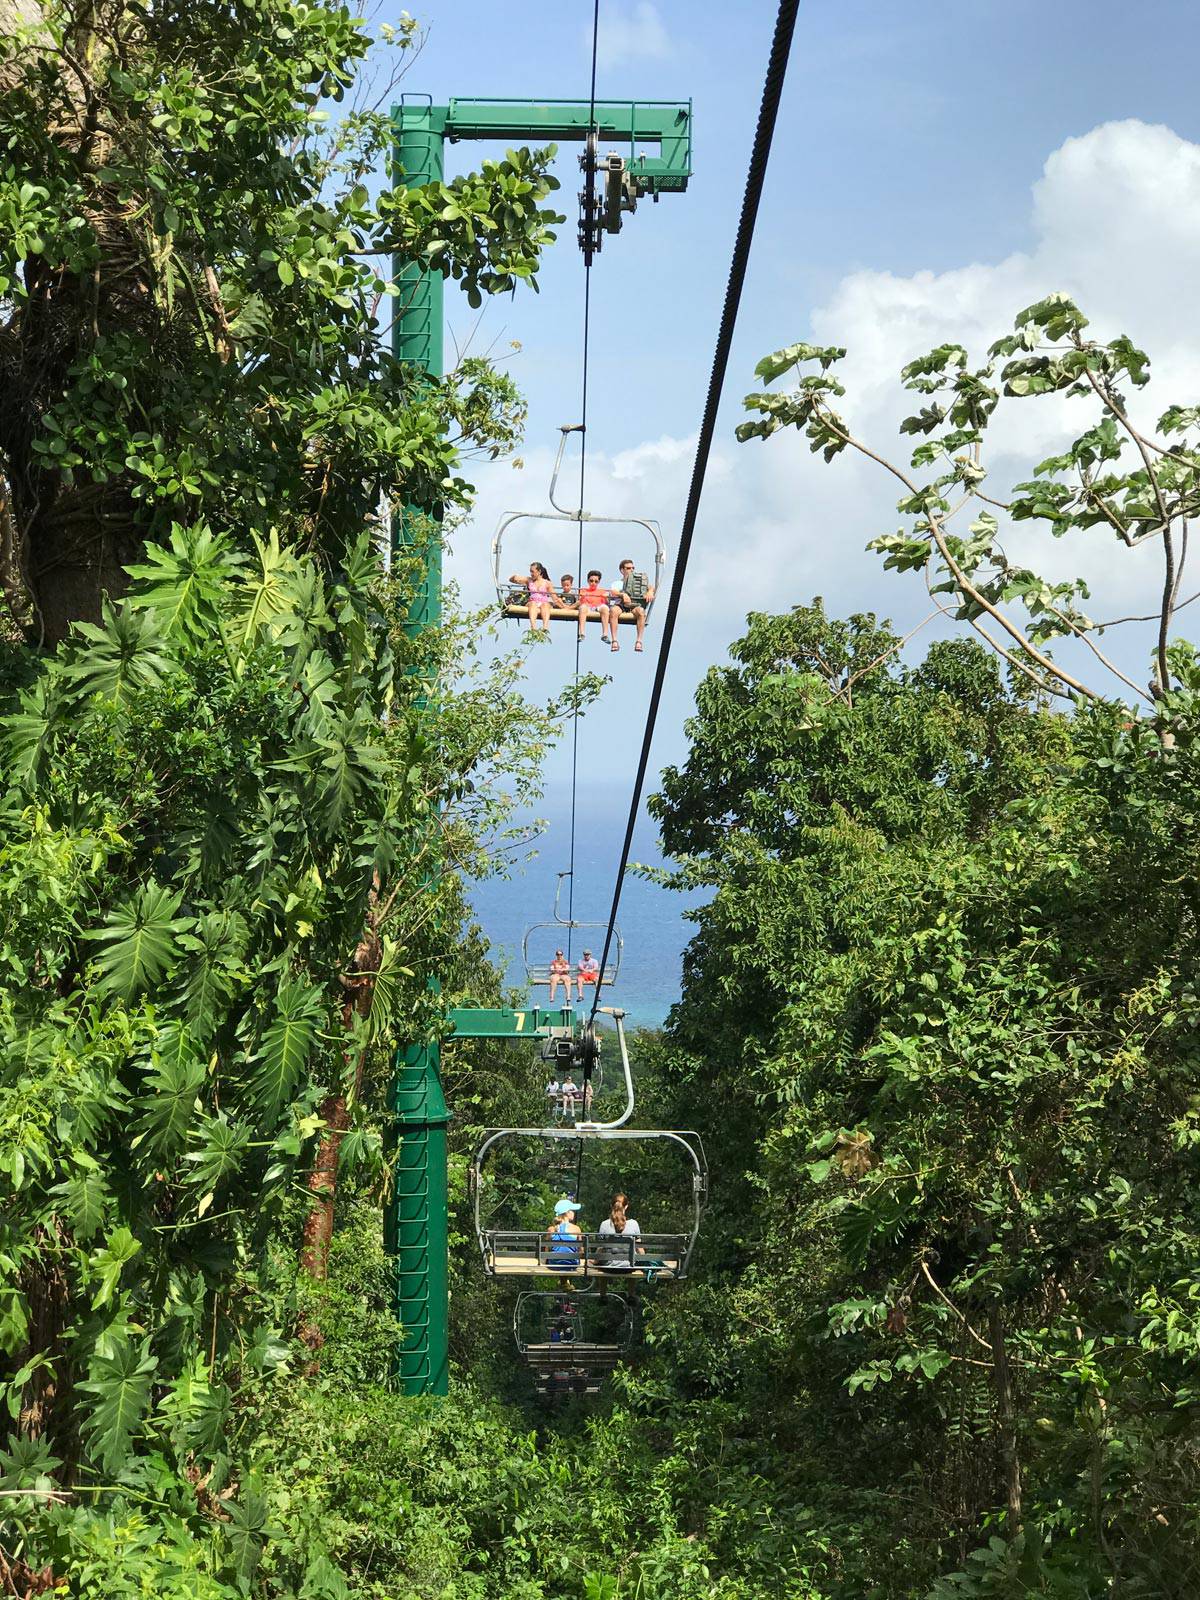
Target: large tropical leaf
28,733
385,990
246,1528
285,1046
120,1384
139,941
213,967
84,1199
168,1105
270,591
223,1146
186,581
196,1410
123,653
348,766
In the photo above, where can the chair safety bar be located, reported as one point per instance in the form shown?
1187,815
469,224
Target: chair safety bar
519,1252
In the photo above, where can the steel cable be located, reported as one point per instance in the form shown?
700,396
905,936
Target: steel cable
590,182
781,44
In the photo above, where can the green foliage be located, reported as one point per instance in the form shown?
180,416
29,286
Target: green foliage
1117,475
940,1004
196,306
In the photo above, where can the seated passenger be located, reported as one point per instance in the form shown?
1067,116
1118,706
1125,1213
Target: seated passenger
563,1253
539,593
634,595
589,972
618,1224
554,1096
560,973
570,1096
594,598
568,594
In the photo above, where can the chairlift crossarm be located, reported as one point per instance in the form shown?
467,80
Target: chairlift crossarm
505,1022
665,123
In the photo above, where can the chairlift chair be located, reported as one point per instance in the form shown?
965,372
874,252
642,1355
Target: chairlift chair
643,1258
538,972
535,1321
511,605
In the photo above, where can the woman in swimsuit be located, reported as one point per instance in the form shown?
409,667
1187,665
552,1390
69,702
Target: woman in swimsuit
539,592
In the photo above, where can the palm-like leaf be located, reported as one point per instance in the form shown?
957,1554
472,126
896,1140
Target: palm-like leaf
120,1383
139,941
123,654
84,1199
269,593
168,1106
221,1155
385,991
185,582
214,953
27,735
285,1046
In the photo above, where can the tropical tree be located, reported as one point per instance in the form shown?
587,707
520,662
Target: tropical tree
1136,483
195,291
237,794
940,1009
202,796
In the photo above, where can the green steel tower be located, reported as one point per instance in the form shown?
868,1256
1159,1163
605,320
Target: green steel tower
416,1226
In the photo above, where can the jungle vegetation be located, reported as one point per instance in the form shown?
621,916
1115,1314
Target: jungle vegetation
939,1019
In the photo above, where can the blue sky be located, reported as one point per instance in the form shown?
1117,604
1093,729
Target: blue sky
936,167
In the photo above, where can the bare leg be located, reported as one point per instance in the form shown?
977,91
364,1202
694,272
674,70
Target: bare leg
614,615
639,613
584,614
544,609
532,614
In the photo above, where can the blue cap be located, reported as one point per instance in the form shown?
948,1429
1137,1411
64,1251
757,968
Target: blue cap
563,1206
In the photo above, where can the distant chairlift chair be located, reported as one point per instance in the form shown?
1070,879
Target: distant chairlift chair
511,605
537,973
555,1346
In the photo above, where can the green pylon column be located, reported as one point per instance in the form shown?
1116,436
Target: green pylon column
418,1232
417,1227
416,1223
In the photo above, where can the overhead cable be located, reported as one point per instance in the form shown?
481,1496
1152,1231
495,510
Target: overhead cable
781,44
589,176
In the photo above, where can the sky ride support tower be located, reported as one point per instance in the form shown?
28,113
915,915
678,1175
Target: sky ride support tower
618,171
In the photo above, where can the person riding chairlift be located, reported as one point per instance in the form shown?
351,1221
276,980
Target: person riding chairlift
560,973
634,595
563,1253
619,1225
589,972
593,597
539,592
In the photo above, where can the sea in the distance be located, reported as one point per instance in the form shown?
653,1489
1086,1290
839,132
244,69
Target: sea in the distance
650,918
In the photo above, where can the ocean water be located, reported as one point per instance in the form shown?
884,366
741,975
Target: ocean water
650,919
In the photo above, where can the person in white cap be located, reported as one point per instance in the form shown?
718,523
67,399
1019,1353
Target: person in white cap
563,1254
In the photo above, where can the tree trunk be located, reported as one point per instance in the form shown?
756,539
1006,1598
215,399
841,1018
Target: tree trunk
1010,1461
66,537
335,1114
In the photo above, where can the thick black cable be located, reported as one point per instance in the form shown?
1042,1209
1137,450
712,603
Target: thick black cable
589,174
781,44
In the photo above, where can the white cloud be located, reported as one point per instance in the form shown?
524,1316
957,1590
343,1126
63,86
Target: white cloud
1116,224
630,33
